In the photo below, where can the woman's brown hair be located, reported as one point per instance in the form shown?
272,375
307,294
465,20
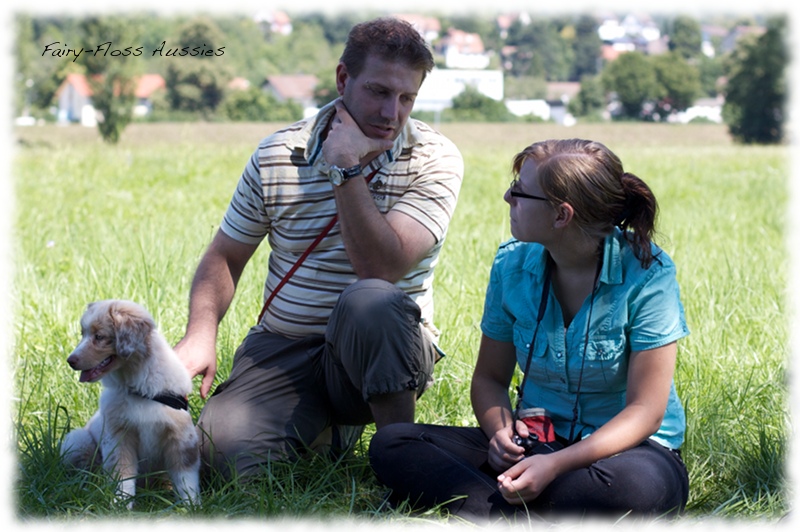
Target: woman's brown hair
590,177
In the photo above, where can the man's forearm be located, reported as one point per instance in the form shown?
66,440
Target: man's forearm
373,247
379,246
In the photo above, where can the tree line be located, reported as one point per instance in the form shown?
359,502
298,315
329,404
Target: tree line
635,86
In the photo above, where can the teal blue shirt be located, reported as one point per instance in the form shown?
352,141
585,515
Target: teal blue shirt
634,310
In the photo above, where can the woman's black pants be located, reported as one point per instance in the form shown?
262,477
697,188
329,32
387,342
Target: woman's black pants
433,465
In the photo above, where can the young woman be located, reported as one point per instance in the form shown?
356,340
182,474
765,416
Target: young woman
590,310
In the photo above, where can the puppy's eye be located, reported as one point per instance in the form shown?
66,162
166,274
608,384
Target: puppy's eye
99,337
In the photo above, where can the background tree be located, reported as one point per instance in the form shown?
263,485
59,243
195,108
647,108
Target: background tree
686,37
540,50
484,26
586,48
756,92
305,51
112,78
473,106
711,71
197,85
25,59
548,48
38,75
247,49
256,105
632,78
680,82
335,27
591,99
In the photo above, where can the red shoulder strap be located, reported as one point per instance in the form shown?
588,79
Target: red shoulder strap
303,257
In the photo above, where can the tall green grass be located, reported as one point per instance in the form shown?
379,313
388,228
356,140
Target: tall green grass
131,221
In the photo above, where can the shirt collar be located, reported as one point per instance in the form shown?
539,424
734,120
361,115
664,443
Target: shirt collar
610,272
309,138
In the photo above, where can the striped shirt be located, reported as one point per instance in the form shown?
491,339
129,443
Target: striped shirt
284,194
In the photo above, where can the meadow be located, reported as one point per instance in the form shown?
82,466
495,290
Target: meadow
131,221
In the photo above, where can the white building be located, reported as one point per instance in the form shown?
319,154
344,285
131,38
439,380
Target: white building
442,85
627,32
705,108
74,97
463,50
537,108
277,21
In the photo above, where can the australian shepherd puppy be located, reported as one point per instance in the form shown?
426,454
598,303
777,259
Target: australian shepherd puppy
143,424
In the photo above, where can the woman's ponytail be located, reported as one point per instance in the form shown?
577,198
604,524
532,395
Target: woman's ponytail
637,218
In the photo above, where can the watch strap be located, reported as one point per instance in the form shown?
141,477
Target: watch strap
351,172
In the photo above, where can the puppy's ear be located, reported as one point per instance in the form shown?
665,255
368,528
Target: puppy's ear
132,329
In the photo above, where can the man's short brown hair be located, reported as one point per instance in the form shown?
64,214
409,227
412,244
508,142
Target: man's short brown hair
390,39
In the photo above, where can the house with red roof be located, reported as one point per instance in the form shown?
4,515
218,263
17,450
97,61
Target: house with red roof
428,27
462,49
275,21
293,87
74,97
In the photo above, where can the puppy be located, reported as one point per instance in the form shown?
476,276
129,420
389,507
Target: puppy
143,424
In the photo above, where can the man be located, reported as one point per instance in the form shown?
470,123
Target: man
349,338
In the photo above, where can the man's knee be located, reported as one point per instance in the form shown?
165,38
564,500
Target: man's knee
227,449
374,346
374,302
233,437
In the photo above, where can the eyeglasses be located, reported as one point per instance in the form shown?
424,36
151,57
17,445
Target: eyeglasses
512,189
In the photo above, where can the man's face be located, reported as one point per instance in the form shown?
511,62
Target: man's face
381,97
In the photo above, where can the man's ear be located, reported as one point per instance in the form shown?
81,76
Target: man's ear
564,215
341,78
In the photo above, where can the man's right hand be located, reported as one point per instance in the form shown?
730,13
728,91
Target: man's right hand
213,287
346,145
200,358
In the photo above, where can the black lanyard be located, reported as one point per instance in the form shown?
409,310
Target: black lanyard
539,317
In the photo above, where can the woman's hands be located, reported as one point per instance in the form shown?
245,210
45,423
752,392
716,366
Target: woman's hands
503,452
525,480
649,377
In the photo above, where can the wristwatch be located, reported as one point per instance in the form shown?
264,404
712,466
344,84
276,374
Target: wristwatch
338,175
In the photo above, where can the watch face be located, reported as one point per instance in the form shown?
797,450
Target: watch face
336,176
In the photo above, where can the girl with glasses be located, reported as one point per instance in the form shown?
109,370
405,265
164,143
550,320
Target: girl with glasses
588,307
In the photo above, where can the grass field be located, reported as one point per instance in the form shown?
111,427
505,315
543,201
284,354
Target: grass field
130,221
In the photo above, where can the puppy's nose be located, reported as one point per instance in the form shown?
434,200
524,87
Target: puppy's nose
72,360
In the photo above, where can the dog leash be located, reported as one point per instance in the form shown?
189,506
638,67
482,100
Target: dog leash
303,257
